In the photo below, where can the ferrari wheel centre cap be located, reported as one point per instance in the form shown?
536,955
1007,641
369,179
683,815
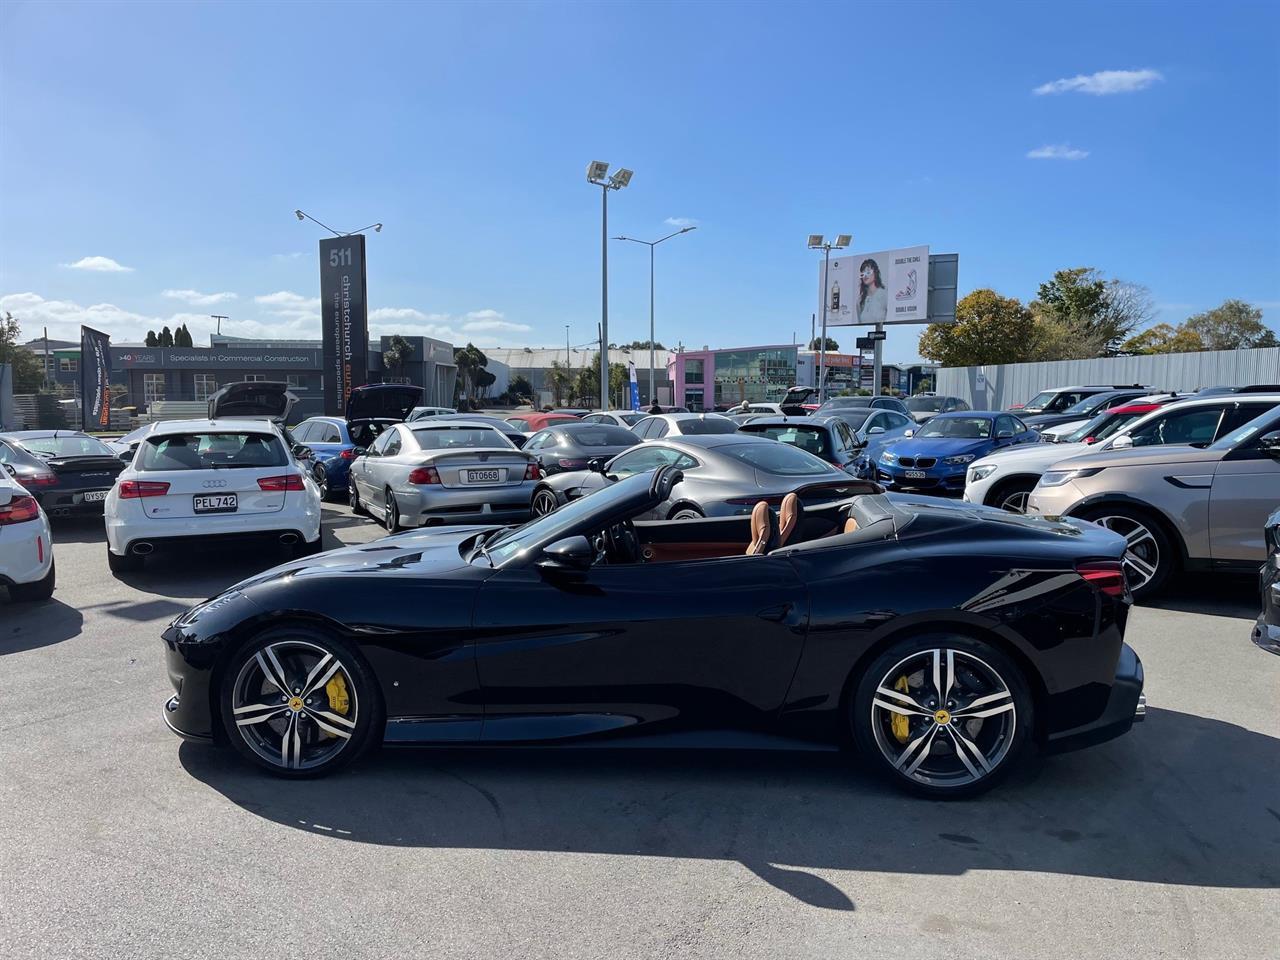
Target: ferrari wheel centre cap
941,716
295,704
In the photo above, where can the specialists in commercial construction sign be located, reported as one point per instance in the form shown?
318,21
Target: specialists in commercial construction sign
344,320
888,286
95,379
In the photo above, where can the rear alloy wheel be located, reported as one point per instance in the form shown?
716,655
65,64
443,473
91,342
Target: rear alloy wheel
1012,496
353,499
391,516
321,476
943,716
544,502
1148,556
42,589
299,703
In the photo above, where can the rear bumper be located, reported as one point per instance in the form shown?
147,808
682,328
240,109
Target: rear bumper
420,508
1125,706
196,541
952,482
63,503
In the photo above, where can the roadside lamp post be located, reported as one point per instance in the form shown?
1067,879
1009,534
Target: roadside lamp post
818,242
598,174
651,244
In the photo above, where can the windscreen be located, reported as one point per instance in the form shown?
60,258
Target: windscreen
460,438
1088,404
1039,400
812,439
1104,425
205,451
957,428
836,403
693,428
601,435
779,459
925,404
70,446
631,419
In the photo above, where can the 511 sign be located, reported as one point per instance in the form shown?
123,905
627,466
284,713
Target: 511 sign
344,320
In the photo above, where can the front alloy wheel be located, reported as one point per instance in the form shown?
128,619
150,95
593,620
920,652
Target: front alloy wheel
296,704
544,502
321,476
945,716
1147,559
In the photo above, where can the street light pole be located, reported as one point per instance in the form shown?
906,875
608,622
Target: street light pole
597,172
652,356
818,242
376,227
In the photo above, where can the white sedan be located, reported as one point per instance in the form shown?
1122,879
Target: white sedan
26,546
193,481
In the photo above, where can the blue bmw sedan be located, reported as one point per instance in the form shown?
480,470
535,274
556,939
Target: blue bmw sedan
935,458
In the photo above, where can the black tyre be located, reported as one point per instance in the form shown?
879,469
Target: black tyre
1012,494
544,502
391,516
354,501
129,563
42,589
1149,558
687,513
321,477
942,715
300,703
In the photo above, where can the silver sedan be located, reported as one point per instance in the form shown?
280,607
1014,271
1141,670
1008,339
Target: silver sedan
443,471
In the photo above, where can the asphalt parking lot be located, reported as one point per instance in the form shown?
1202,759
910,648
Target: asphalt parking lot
119,840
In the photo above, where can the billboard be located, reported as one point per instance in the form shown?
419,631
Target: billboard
887,286
95,380
344,320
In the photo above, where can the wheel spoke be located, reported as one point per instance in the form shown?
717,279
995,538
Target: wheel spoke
901,703
252,713
1142,566
330,723
307,684
944,674
968,751
324,677
274,672
291,744
987,706
1137,536
919,748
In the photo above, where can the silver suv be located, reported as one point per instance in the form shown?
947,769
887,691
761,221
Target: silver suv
1197,508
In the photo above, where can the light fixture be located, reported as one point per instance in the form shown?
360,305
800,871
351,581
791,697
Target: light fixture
597,170
843,240
377,228
620,179
299,214
687,229
816,241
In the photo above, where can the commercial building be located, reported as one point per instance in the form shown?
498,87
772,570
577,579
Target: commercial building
706,379
536,363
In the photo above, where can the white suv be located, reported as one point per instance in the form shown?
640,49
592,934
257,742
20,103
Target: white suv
192,481
26,546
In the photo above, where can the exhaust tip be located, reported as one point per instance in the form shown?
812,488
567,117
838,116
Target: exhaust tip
1140,711
142,549
288,539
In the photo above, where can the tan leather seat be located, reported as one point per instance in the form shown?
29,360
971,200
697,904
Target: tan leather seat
850,525
789,518
763,529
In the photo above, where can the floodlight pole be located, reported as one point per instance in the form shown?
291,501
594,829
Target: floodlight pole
822,344
652,355
604,296
877,363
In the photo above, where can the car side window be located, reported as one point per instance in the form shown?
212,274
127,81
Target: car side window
1004,424
658,429
594,418
1236,418
537,440
846,435
686,462
379,447
638,461
393,445
1018,426
302,433
519,424
892,421
1198,425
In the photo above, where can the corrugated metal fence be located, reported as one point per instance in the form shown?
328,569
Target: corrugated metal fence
1011,383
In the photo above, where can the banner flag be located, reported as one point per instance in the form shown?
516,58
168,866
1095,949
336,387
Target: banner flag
635,387
95,379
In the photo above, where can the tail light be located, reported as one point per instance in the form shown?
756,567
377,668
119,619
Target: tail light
288,481
572,464
1105,576
136,489
424,475
348,454
19,510
533,471
39,480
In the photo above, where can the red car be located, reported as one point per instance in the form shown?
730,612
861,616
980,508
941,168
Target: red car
533,422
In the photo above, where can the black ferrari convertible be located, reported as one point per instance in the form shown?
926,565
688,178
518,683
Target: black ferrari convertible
942,640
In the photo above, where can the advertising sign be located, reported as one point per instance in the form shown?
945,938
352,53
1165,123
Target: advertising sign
888,286
635,387
95,379
344,320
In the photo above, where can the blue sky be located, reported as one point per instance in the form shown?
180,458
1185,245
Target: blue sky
176,140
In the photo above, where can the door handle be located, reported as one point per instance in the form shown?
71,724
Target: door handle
777,613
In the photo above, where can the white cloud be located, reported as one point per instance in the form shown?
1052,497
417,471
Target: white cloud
680,222
288,256
64,317
299,312
1103,83
1057,151
98,265
476,326
198,299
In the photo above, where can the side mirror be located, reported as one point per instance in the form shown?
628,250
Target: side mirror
570,554
1122,442
8,467
360,451
874,431
596,464
1269,443
1004,435
302,452
909,433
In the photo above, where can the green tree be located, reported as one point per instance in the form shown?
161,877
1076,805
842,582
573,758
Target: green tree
1164,338
1231,326
166,337
469,359
925,385
989,328
643,345
519,388
586,382
816,344
28,371
483,381
619,385
152,340
1079,314
558,382
186,340
397,354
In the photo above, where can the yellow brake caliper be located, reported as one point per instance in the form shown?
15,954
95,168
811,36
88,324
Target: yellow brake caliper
340,702
898,723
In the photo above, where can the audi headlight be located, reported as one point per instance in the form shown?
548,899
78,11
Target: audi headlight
1056,478
960,460
982,472
888,457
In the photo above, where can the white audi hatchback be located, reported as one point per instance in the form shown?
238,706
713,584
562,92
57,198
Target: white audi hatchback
196,481
26,546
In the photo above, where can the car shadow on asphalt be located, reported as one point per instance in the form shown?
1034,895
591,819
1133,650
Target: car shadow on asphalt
38,623
1215,595
86,529
1181,799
